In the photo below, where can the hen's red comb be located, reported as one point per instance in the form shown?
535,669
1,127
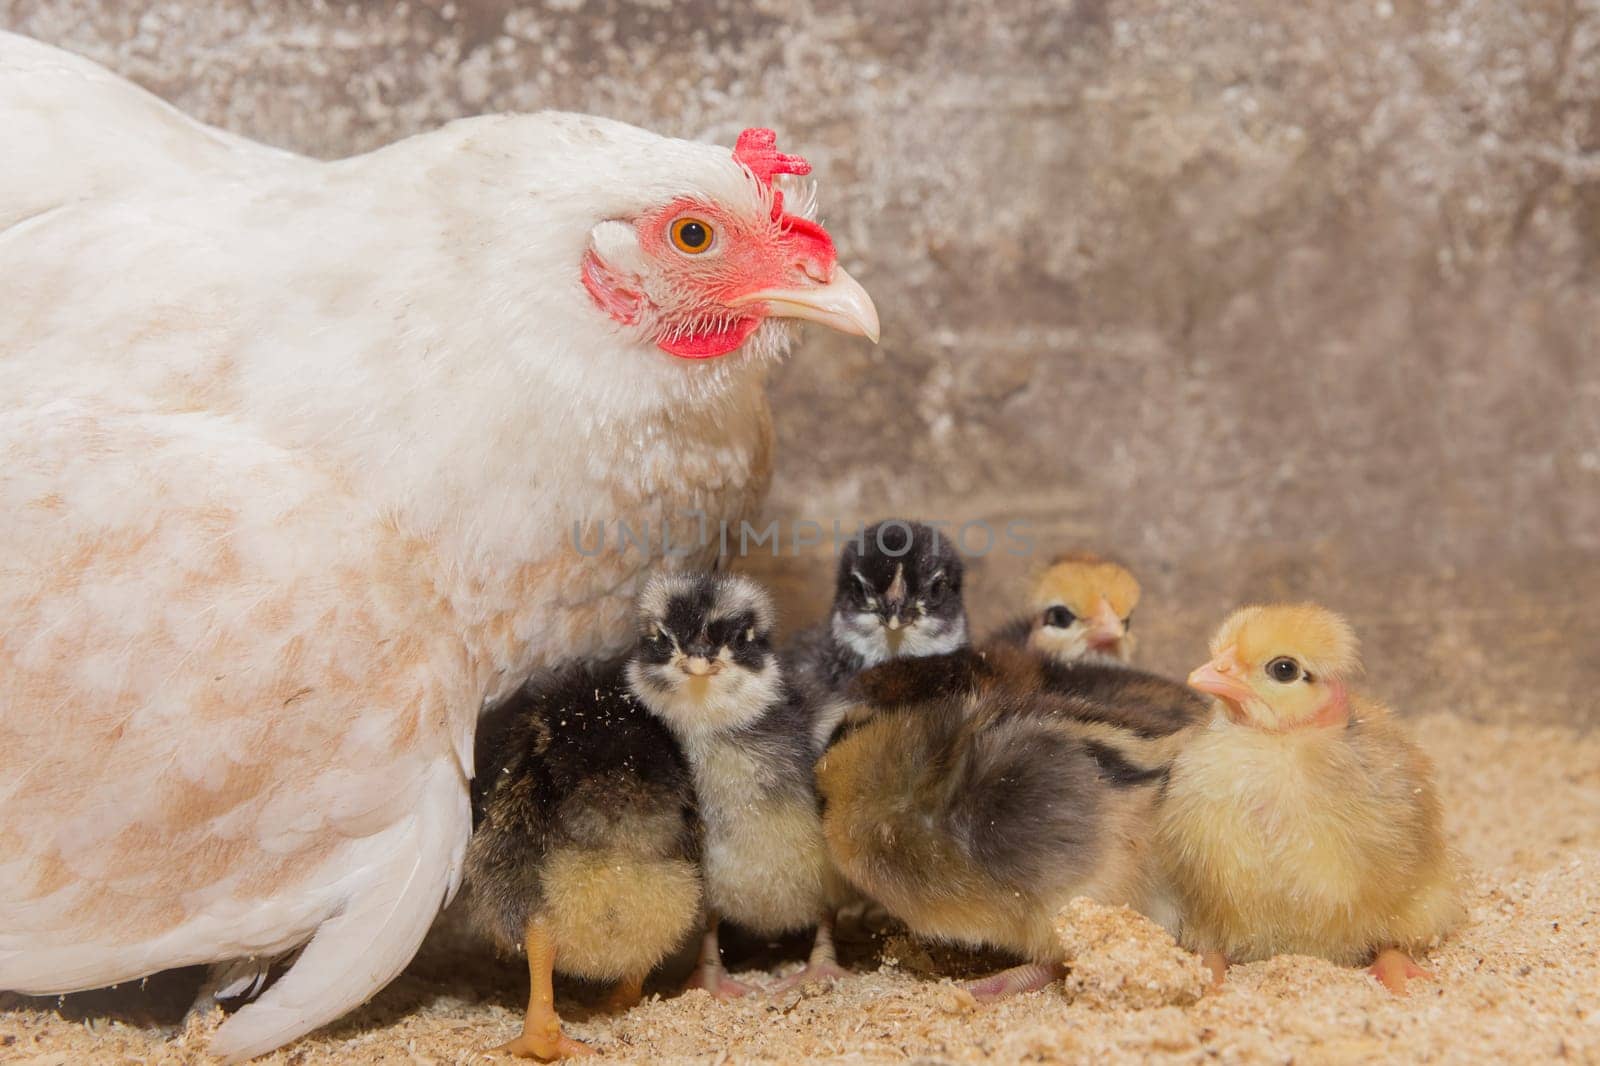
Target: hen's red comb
757,149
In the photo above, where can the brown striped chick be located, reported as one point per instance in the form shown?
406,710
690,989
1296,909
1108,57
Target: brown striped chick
1146,705
1301,819
975,817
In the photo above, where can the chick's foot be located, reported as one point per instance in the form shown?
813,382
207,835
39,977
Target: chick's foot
716,981
545,1047
815,973
1394,969
1028,977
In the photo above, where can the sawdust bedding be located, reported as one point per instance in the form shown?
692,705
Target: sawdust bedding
1521,983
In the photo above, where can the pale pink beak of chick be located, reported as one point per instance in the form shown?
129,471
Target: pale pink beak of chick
695,666
840,303
1105,628
1220,678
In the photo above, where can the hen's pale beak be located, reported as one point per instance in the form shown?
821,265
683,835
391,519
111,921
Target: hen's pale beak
841,304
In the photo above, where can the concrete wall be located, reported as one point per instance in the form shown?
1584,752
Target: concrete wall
1270,298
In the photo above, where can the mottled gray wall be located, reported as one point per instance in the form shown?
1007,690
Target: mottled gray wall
1271,298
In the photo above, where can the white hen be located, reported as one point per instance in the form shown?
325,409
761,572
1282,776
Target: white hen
293,455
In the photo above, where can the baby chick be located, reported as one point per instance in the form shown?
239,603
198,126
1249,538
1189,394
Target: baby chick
1078,634
708,671
897,593
1081,610
1300,818
976,817
586,850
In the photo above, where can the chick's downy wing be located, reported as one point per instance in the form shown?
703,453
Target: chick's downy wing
232,716
1419,877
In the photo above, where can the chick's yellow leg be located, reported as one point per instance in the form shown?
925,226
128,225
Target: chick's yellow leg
542,1037
1217,963
1394,968
627,994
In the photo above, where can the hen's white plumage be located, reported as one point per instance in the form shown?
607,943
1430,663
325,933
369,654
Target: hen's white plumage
292,457
73,129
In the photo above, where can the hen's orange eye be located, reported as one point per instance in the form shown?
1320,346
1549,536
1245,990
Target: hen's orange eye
691,235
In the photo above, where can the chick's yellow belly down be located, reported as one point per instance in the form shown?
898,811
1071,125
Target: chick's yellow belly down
769,870
616,914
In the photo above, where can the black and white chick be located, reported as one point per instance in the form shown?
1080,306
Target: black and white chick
897,594
586,849
707,669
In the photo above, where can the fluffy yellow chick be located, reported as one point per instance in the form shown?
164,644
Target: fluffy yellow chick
1300,818
1080,611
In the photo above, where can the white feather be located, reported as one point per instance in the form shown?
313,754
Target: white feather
392,899
864,633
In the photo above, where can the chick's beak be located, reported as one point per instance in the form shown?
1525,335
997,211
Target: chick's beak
840,303
1220,678
894,636
1105,628
699,666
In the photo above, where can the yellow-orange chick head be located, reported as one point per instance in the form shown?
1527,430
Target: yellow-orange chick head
1082,607
1281,667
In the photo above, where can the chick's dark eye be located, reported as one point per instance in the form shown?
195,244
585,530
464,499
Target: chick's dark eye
691,235
1283,670
1059,617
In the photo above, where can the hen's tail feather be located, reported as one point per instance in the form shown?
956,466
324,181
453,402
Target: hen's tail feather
365,946
241,978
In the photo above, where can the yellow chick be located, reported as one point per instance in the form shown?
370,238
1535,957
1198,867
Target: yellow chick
1079,611
1300,818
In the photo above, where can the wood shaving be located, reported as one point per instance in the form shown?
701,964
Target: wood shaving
1116,957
